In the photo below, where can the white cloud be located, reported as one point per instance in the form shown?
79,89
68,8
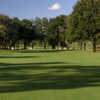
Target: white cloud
56,6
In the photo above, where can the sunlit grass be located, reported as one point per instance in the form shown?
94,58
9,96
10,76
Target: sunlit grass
49,75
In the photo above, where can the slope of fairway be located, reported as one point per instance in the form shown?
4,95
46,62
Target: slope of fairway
49,75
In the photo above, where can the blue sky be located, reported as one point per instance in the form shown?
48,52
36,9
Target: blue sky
32,8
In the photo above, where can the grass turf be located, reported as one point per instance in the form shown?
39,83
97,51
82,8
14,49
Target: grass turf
49,75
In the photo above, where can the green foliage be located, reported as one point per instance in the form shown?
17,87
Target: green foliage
81,26
85,21
2,31
57,30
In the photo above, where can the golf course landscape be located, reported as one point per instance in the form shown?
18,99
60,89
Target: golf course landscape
49,75
49,49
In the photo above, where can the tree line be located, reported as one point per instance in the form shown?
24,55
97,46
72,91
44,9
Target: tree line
82,25
14,32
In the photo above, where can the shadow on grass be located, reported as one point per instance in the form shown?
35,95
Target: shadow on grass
1,57
40,51
44,76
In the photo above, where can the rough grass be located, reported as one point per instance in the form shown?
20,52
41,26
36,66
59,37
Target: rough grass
49,75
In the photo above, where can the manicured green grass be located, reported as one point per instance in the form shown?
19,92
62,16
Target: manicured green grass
49,75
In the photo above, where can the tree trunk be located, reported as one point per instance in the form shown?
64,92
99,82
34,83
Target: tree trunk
81,45
45,47
84,46
25,45
94,45
53,46
45,44
18,45
14,47
32,46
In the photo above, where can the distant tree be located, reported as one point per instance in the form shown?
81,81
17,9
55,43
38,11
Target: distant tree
13,32
63,26
3,30
27,32
44,31
57,31
38,25
4,19
4,23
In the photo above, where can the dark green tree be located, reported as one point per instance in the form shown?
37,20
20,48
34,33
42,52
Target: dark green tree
27,32
44,31
57,31
85,21
4,23
13,32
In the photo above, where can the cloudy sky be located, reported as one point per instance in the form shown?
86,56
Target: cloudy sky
32,8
